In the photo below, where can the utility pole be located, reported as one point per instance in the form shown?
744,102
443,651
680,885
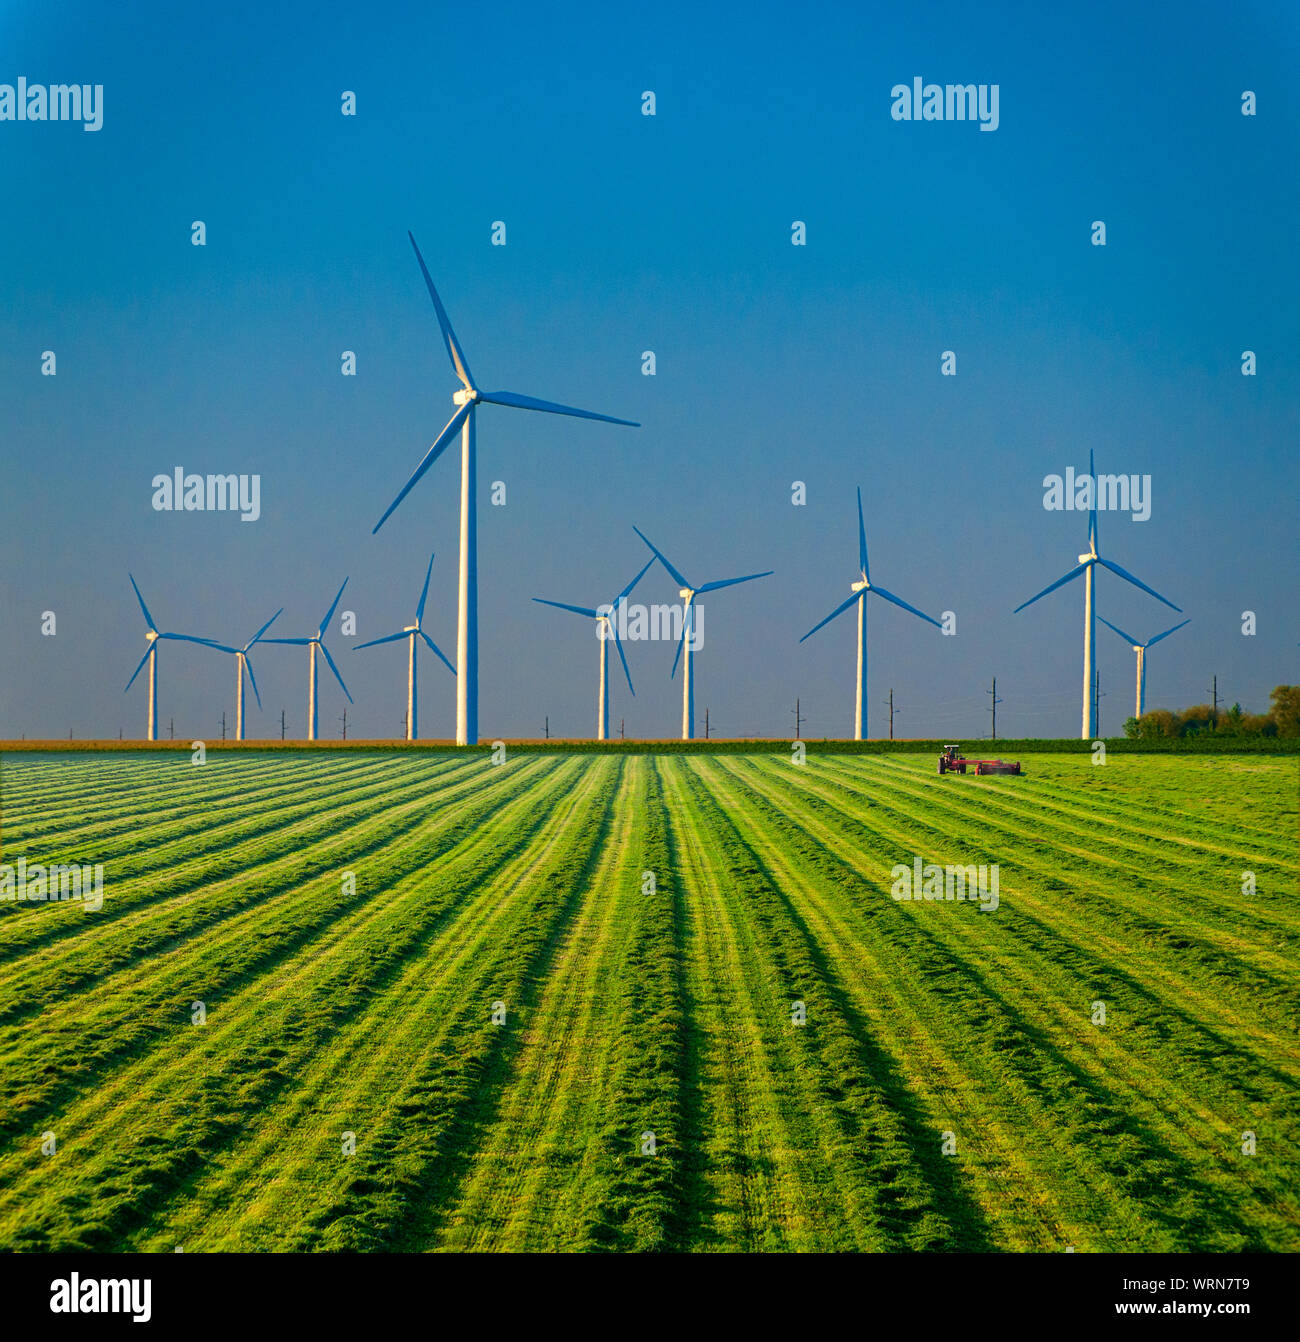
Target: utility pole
798,719
622,735
223,724
891,715
345,724
282,724
994,706
1214,698
1097,696
706,724
403,726
171,729
547,727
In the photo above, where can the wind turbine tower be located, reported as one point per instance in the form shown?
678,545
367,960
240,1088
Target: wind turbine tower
1087,568
688,593
606,618
467,400
411,633
1141,650
861,586
313,645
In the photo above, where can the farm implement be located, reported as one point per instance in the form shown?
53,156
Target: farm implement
951,761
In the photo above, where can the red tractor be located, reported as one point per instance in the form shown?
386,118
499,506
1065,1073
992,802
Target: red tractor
951,761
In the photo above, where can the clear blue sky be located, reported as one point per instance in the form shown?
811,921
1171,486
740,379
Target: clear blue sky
672,233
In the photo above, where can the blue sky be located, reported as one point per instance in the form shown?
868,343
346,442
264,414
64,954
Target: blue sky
626,233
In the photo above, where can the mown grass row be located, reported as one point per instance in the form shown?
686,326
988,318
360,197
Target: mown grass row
1020,987
634,1008
196,1090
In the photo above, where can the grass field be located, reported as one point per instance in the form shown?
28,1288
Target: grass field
634,1007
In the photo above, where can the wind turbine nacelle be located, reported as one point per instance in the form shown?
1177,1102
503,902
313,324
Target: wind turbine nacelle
685,593
1088,558
151,636
861,585
463,396
411,629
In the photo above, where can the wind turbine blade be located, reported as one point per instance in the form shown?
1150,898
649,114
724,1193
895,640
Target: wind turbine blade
388,638
1167,632
1060,582
202,642
1092,512
613,629
335,669
627,591
731,582
297,642
677,656
432,455
1128,638
139,668
263,629
676,576
148,619
248,666
444,322
1137,582
839,610
563,605
437,651
329,615
898,601
424,592
862,539
518,402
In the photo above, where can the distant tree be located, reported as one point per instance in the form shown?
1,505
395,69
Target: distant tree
1258,724
1199,718
1132,728
1158,722
1286,710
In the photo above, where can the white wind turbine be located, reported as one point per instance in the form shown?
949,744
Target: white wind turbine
861,587
1087,567
1141,650
411,632
606,618
242,664
151,656
463,422
313,645
688,595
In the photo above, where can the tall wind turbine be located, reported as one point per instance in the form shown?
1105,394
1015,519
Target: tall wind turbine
1141,650
688,593
242,664
466,400
606,618
151,656
410,633
312,645
1087,568
861,587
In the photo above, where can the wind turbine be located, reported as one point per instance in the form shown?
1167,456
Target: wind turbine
410,632
466,400
1141,650
861,587
606,629
242,664
312,645
151,656
1087,566
688,594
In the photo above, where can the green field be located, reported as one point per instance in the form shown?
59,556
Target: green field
630,1010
